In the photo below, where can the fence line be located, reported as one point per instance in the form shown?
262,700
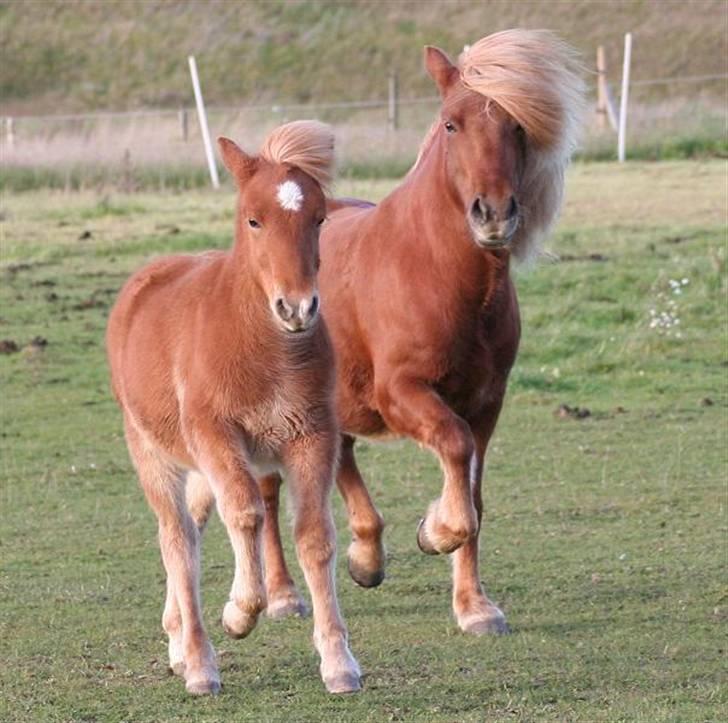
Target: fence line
280,108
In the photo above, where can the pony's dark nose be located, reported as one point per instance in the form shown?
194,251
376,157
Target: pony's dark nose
297,314
483,212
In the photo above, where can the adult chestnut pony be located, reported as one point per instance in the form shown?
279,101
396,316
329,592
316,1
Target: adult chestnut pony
417,294
224,371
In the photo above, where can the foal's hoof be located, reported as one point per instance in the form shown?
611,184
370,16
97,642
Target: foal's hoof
289,606
237,623
423,541
343,683
203,687
177,668
362,576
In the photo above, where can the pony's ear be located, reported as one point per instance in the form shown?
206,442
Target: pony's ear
237,161
441,70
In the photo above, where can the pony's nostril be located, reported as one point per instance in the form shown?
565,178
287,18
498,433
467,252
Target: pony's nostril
512,208
480,211
313,308
283,310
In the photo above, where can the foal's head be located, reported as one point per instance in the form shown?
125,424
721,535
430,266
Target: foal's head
509,110
281,207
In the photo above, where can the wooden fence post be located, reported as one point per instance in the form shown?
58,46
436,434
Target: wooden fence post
622,138
183,124
393,105
605,103
9,132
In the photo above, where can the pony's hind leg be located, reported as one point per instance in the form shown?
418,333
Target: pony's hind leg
366,554
474,612
310,464
190,651
284,600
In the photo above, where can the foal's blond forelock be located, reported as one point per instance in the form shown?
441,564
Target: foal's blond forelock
305,144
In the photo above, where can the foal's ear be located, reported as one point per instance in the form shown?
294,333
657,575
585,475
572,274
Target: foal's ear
237,161
441,70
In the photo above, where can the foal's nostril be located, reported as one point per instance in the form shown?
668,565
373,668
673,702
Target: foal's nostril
313,308
512,208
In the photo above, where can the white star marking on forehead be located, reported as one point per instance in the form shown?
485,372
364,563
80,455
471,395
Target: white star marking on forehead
290,196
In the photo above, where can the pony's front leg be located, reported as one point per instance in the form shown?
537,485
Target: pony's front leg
284,599
413,408
220,457
310,463
474,612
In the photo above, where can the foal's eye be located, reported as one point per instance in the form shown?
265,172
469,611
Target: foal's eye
321,222
253,223
450,127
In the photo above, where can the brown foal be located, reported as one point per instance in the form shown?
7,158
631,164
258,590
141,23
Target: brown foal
419,300
223,369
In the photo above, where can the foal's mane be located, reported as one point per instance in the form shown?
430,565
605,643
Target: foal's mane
535,78
305,144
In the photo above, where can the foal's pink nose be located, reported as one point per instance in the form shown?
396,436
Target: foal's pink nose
297,314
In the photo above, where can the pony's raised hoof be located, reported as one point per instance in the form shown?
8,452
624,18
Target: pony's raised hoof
237,623
203,686
423,541
343,683
291,605
363,577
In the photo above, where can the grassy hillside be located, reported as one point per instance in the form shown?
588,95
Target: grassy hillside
80,56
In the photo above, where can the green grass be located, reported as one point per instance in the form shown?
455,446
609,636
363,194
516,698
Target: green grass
605,538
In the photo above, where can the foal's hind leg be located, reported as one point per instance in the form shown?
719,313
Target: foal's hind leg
474,612
283,598
310,463
200,500
366,552
190,649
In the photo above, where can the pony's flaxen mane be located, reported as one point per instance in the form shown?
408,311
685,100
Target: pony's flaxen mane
536,79
305,144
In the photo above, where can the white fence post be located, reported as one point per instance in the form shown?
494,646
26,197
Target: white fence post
203,123
621,142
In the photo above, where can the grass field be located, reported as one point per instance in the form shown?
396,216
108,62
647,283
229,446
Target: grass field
605,536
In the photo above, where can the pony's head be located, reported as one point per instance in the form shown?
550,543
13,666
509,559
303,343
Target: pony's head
281,207
510,113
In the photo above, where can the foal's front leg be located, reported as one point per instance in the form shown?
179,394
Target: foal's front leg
310,464
413,408
220,457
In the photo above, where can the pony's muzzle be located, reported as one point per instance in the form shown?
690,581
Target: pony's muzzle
296,315
493,225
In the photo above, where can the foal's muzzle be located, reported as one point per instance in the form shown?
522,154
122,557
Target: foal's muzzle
296,314
492,225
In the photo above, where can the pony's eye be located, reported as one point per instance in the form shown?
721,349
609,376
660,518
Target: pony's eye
321,222
253,223
450,127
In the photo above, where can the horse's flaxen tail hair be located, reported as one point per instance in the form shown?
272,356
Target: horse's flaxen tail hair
305,144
